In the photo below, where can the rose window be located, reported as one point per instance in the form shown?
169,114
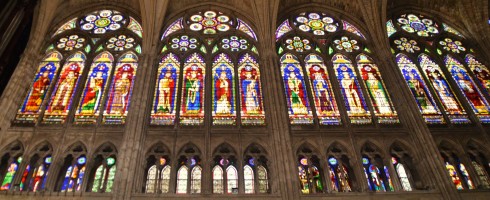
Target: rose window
234,43
120,43
345,44
316,23
70,43
210,22
102,21
298,44
409,46
450,45
413,24
183,43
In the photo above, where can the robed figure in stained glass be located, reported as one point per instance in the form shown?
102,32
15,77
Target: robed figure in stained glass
350,89
376,89
469,89
123,80
64,90
418,89
442,88
166,90
295,89
483,76
250,90
193,90
223,90
40,88
94,89
321,89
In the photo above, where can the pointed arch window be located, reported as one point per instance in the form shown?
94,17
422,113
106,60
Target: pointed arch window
315,36
189,172
74,175
455,168
9,165
100,34
418,35
103,172
376,172
229,45
310,173
480,164
256,175
36,172
225,174
158,170
340,172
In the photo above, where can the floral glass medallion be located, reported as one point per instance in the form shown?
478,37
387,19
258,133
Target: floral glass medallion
453,46
183,43
298,44
316,23
120,43
71,42
345,44
404,44
210,22
102,21
418,24
234,43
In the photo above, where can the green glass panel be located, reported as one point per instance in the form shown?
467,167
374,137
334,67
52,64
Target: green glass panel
439,52
392,51
87,49
138,49
254,49
367,50
110,179
50,48
203,49
164,49
99,49
318,49
98,178
215,49
330,50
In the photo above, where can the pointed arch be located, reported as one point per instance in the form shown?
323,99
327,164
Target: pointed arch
402,161
34,176
9,163
340,171
375,169
455,167
479,158
165,97
157,169
251,99
223,91
192,105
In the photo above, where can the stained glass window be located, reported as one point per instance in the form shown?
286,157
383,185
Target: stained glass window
480,71
418,24
249,179
196,180
151,179
104,176
231,179
321,88
67,26
439,83
451,30
182,179
44,78
244,27
469,89
351,28
419,90
192,106
482,174
64,90
210,22
102,21
309,176
316,23
346,44
294,84
390,28
218,177
120,92
165,100
454,176
402,174
74,175
9,175
351,90
339,176
380,100
407,45
95,87
40,175
165,179
174,27
252,111
378,180
466,176
263,179
224,112
283,29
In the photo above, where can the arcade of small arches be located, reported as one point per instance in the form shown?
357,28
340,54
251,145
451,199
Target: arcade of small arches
209,73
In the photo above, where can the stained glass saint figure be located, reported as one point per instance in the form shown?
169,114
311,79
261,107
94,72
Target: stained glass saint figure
294,85
250,91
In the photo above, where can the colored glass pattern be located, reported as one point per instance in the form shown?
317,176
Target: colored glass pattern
316,23
165,100
119,96
95,87
454,176
182,180
283,29
64,90
66,26
380,99
252,111
45,75
451,30
321,88
218,180
466,176
210,22
231,179
263,179
339,176
480,71
452,46
469,89
74,176
192,106
418,24
102,21
426,103
298,44
374,177
244,27
174,27
40,175
234,43
401,171
10,172
183,43
294,84
346,44
249,179
404,44
354,100
223,91
120,43
352,29
443,90
135,27
70,43
196,180
390,28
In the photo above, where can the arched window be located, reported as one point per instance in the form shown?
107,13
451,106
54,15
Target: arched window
256,175
377,173
304,42
456,169
158,170
441,53
480,163
340,172
229,45
225,174
189,171
104,169
9,164
99,35
72,173
310,174
404,168
36,172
